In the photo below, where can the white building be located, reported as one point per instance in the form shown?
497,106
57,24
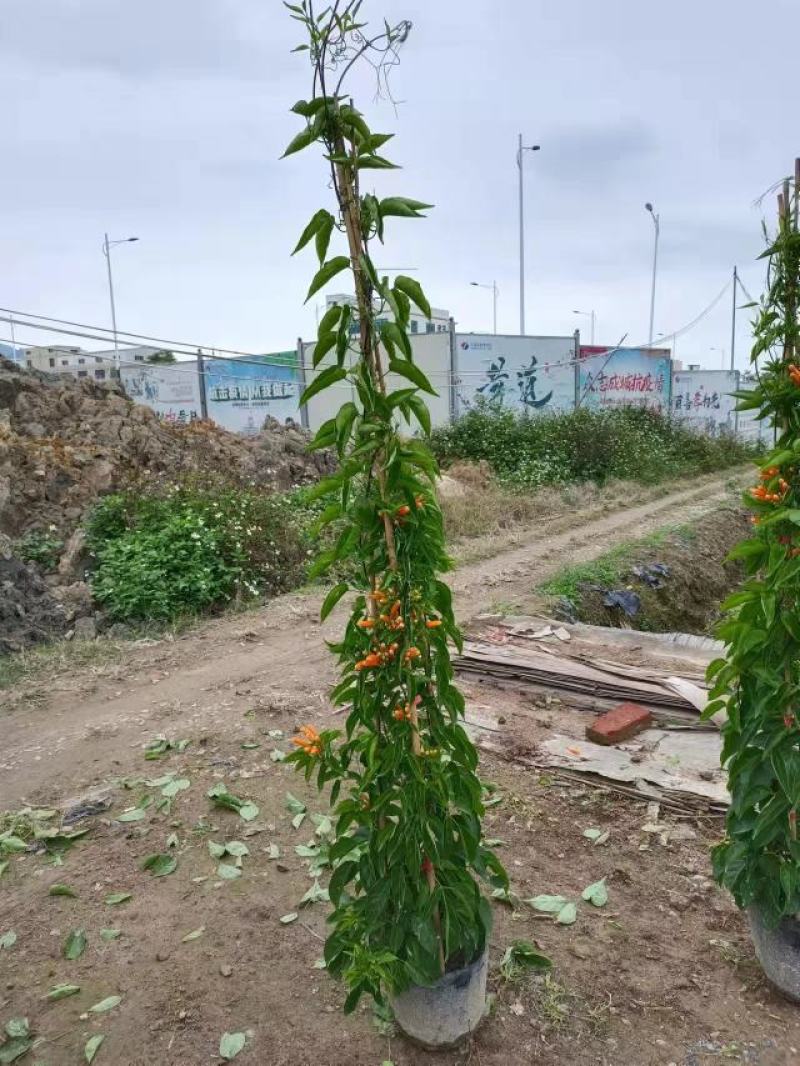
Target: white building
77,363
439,322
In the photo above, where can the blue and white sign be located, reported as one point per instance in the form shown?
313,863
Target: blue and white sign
534,374
242,394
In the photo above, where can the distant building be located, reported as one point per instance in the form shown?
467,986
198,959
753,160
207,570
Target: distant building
77,363
439,322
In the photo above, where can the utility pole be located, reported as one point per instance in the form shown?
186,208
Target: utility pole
733,316
656,223
520,149
107,246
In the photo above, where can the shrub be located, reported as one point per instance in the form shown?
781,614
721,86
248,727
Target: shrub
583,445
195,549
40,547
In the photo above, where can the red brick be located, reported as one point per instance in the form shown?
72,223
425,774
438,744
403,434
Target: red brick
619,724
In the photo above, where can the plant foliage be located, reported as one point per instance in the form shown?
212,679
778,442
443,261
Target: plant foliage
584,445
407,847
758,682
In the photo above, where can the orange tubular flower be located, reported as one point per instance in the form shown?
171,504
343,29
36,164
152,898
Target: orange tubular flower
419,501
365,623
401,512
399,714
373,659
308,740
433,623
411,654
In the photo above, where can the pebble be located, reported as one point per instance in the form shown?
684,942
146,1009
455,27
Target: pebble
162,956
226,970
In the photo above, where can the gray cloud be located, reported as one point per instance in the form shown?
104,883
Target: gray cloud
167,120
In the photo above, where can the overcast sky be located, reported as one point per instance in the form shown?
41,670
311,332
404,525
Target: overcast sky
166,120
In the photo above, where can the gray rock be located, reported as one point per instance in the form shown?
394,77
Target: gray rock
85,629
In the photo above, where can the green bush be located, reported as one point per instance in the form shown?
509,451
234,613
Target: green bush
584,445
40,547
161,556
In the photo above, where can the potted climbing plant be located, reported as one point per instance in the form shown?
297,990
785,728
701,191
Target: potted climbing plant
757,683
409,918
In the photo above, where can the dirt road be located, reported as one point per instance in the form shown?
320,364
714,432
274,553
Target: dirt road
68,732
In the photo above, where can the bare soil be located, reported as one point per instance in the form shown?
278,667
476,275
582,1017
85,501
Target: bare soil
663,974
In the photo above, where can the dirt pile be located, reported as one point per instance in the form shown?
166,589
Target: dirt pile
63,444
673,586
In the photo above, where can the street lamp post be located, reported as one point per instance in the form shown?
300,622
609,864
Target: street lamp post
722,352
591,316
107,246
495,292
656,221
520,149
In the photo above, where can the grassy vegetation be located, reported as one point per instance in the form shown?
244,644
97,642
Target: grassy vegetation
630,443
50,659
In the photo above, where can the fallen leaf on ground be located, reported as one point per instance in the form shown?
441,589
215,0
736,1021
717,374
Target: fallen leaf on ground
62,991
116,898
160,865
92,1047
567,914
231,1044
8,940
110,934
106,1004
548,904
62,890
75,944
194,935
288,918
596,894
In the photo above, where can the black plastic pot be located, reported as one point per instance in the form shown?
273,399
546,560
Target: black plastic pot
442,1015
778,951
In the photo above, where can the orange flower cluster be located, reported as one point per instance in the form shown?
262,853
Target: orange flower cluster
769,472
794,374
404,510
433,623
761,492
308,740
393,619
384,654
404,714
411,654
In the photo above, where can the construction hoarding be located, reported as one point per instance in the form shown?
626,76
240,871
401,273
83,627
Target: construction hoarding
172,390
534,374
242,393
702,400
624,377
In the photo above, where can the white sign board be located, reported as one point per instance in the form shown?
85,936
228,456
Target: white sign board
702,399
534,374
172,390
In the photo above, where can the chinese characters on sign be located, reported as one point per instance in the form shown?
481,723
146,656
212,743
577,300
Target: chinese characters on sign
535,374
702,399
625,377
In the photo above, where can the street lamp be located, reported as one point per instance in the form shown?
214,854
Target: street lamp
591,316
520,149
107,246
495,292
655,218
722,351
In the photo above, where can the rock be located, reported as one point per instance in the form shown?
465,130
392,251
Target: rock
76,600
119,631
226,970
85,629
72,564
162,956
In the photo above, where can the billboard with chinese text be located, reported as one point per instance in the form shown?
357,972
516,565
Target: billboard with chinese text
533,374
624,377
172,390
241,394
702,399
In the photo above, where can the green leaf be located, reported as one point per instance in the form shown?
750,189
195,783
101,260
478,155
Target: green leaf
194,935
317,220
106,1005
92,1047
302,140
74,945
329,320
231,1044
522,955
115,898
412,373
135,815
403,208
324,344
160,865
413,290
62,991
423,415
596,894
567,914
547,904
18,1028
326,272
248,811
8,940
391,335
4,866
375,162
332,599
287,919
62,890
110,934
294,805
172,788
315,894
323,238
228,872
328,377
